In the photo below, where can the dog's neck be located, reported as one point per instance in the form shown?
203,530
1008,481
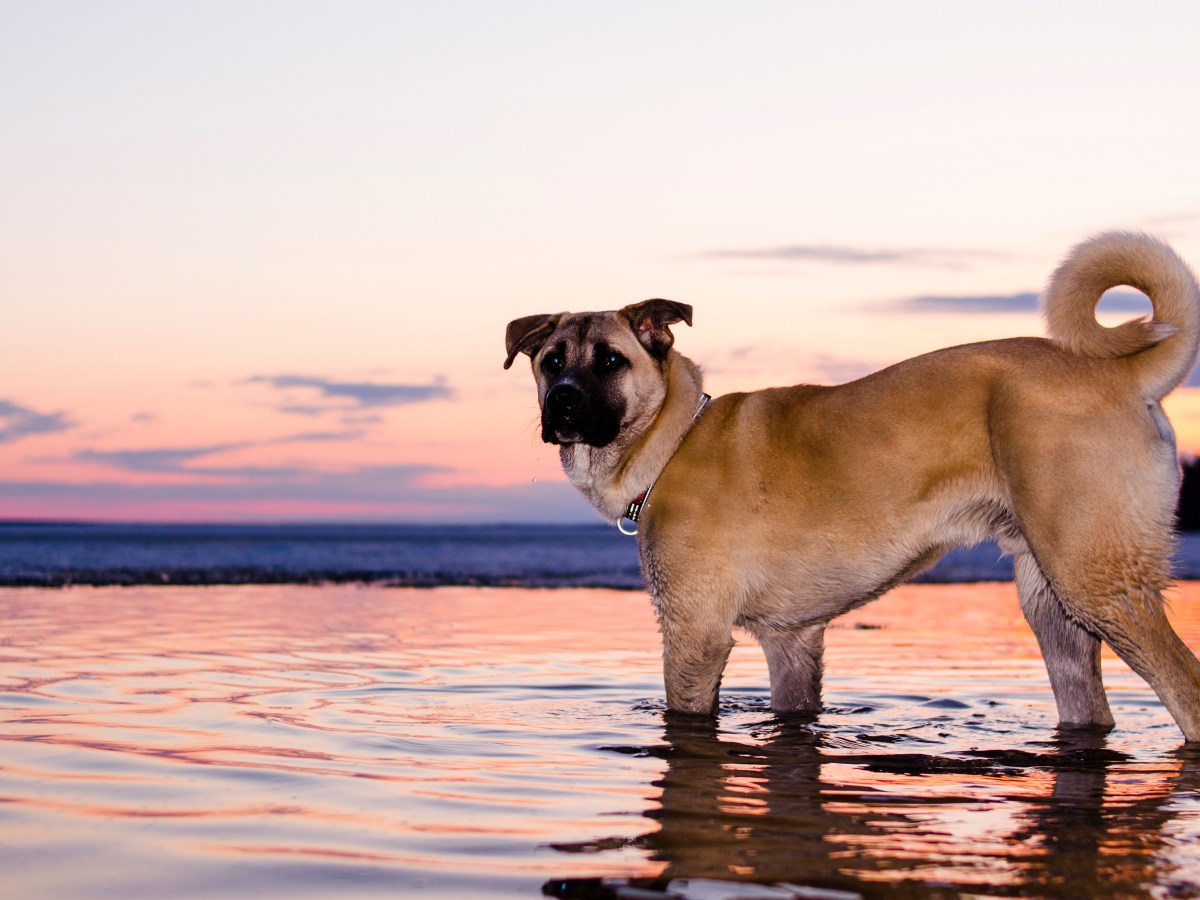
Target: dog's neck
613,475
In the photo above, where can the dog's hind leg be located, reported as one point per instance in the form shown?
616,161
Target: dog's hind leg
1117,596
1095,509
1071,652
1135,625
795,665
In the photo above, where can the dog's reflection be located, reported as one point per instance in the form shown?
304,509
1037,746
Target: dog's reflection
1100,831
1075,820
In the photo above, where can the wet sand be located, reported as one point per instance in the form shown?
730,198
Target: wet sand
365,741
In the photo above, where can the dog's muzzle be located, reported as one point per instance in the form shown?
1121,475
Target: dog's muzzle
577,414
560,410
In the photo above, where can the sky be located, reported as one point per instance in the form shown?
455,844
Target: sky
256,258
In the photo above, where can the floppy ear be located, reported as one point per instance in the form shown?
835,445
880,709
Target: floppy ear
527,334
649,320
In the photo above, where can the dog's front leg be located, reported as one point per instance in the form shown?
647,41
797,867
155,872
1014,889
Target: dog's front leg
695,651
795,665
692,671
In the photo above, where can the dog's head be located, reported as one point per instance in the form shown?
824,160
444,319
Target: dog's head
596,371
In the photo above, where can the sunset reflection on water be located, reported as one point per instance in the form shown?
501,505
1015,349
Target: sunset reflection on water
484,742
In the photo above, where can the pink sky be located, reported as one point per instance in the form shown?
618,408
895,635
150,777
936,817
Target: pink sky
257,261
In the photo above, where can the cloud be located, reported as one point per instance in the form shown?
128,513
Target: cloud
792,363
358,394
834,254
982,303
360,484
178,459
308,437
1118,301
154,459
835,370
360,419
18,421
377,493
1173,225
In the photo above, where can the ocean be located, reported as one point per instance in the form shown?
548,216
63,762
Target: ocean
359,741
318,711
59,554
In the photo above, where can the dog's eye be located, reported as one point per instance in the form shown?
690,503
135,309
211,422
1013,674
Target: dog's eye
610,361
552,363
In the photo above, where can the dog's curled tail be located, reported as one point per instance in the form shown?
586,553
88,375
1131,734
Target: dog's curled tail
1161,348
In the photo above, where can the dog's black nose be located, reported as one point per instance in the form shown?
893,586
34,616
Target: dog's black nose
563,399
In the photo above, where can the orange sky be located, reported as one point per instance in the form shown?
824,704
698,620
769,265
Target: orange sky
256,262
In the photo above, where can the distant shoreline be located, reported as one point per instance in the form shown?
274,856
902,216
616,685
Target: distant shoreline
63,554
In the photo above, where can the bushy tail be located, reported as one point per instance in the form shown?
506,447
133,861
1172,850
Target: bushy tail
1161,348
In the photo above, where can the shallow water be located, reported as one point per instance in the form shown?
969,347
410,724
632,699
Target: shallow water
365,741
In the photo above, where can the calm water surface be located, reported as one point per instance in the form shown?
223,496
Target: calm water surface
364,741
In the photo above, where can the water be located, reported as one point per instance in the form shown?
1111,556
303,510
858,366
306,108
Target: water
365,741
57,554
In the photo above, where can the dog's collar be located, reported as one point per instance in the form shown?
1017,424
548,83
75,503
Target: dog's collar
634,510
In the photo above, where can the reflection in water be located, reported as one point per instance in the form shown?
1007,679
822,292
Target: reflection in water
345,741
1085,821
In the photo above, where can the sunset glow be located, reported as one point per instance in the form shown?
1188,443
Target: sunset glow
258,260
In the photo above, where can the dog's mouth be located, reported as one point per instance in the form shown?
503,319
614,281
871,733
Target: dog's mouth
564,434
560,436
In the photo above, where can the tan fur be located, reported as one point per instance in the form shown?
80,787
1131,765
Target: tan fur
781,509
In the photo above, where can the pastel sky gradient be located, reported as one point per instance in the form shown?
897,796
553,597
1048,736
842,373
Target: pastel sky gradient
256,259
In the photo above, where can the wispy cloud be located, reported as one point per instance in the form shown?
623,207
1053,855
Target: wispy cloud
179,460
839,370
358,484
377,492
350,394
18,421
1025,302
795,364
843,255
308,437
1171,224
158,459
1118,301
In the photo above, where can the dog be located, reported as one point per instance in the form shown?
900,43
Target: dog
779,509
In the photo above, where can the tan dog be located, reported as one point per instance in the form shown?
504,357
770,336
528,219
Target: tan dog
780,509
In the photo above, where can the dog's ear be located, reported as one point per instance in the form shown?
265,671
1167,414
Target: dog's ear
649,320
527,334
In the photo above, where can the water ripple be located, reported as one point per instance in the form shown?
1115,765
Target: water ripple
354,741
